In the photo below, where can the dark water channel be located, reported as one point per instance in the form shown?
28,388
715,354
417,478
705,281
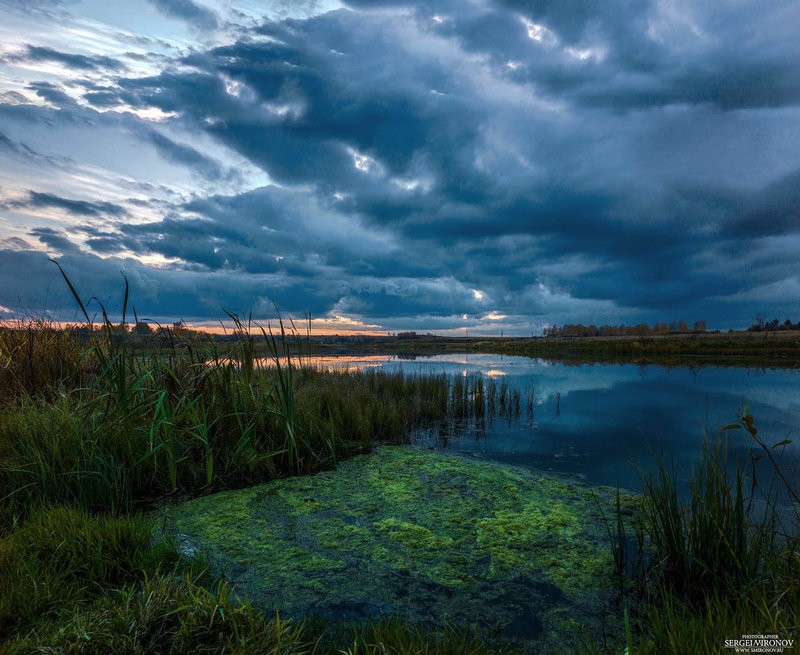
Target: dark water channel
606,422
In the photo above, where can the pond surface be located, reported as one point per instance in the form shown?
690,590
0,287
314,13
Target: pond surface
596,420
477,534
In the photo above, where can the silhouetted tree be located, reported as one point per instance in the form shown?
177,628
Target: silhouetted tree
142,328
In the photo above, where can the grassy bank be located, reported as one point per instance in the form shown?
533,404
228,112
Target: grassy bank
110,429
766,349
94,433
746,349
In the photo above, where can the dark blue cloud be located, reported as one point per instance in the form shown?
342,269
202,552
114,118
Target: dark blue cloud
14,147
191,294
53,239
179,153
85,208
70,60
774,210
602,162
337,105
188,11
53,93
588,53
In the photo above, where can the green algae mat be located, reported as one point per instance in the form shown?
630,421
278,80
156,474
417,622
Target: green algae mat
426,536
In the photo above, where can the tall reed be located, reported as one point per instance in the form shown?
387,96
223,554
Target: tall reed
40,359
715,568
142,425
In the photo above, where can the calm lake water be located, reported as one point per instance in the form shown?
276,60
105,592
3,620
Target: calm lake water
603,423
596,420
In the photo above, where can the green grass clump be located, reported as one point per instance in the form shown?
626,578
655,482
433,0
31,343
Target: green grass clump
66,452
670,625
169,616
714,544
395,637
164,615
62,557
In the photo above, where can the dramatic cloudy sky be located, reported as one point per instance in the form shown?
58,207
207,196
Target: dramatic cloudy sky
451,165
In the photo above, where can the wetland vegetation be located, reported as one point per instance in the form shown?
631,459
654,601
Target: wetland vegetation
766,349
114,536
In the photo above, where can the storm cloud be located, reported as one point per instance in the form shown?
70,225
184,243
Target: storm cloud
84,208
74,61
189,11
493,165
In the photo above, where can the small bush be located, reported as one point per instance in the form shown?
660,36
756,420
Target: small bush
67,452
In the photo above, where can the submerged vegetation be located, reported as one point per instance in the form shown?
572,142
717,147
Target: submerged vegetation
96,433
416,533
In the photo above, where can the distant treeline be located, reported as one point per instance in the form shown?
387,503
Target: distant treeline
774,325
642,329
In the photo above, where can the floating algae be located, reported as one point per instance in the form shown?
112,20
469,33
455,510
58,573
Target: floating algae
430,537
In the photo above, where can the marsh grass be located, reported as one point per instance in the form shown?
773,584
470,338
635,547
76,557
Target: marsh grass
66,452
39,359
714,568
125,427
395,637
163,614
172,615
62,557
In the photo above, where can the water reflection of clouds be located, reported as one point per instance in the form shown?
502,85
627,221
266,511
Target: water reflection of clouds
615,412
778,388
346,363
595,420
771,388
494,373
